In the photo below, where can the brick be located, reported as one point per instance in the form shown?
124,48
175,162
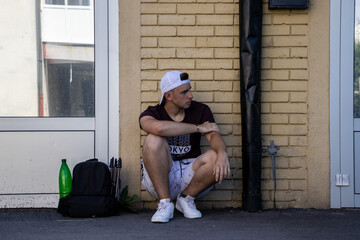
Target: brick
299,52
274,118
265,108
298,119
274,97
194,53
283,41
176,20
214,86
227,96
215,20
291,174
280,162
267,42
298,74
289,108
195,31
228,119
148,20
298,185
275,30
220,195
195,8
232,140
214,42
289,85
265,86
148,64
155,31
205,97
288,129
149,86
227,53
236,86
158,8
214,1
237,108
278,140
298,97
290,19
275,52
290,196
236,63
152,75
221,107
299,29
227,31
267,19
268,184
201,74
227,75
297,162
293,151
226,8
150,96
149,1
275,74
266,64
228,185
214,64
177,1
157,52
176,64
177,42
148,42
289,63
298,140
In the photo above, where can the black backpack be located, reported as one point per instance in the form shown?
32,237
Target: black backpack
90,195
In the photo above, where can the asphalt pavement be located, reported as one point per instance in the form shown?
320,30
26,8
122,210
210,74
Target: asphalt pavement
221,224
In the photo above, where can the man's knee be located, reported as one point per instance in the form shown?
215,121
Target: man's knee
154,142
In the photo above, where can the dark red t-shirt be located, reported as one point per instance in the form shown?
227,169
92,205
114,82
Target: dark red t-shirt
186,145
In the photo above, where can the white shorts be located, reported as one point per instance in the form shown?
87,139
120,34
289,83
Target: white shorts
180,176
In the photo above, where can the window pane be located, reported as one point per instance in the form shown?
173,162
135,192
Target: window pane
55,2
48,70
357,61
79,2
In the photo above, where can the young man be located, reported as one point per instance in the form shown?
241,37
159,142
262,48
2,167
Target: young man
173,166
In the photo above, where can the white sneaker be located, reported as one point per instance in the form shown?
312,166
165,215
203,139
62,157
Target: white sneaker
164,212
187,207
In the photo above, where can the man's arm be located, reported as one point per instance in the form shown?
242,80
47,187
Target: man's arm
170,128
222,166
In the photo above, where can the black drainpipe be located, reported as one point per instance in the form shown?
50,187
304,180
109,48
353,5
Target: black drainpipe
250,73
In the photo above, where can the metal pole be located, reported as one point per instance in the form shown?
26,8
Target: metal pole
250,69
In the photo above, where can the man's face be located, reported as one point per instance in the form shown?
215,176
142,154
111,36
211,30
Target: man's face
182,96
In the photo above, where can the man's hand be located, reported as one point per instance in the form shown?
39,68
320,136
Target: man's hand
207,127
222,167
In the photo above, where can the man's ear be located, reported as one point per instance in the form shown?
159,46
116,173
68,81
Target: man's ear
167,95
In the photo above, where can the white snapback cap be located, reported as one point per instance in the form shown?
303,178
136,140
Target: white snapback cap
170,81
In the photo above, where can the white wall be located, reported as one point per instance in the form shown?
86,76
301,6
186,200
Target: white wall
18,75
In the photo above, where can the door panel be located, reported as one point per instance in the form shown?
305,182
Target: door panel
30,161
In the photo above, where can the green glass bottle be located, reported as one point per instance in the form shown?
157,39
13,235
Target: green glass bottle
65,182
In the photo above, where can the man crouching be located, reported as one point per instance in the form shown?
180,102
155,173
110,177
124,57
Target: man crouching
172,164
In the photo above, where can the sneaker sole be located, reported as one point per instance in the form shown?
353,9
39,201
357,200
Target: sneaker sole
161,221
178,207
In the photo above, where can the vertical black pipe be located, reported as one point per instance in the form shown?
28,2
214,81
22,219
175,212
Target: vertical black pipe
250,69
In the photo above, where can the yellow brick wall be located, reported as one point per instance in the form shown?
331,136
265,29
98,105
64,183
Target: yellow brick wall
201,37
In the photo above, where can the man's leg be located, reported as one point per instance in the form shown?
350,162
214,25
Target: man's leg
202,179
203,174
157,161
